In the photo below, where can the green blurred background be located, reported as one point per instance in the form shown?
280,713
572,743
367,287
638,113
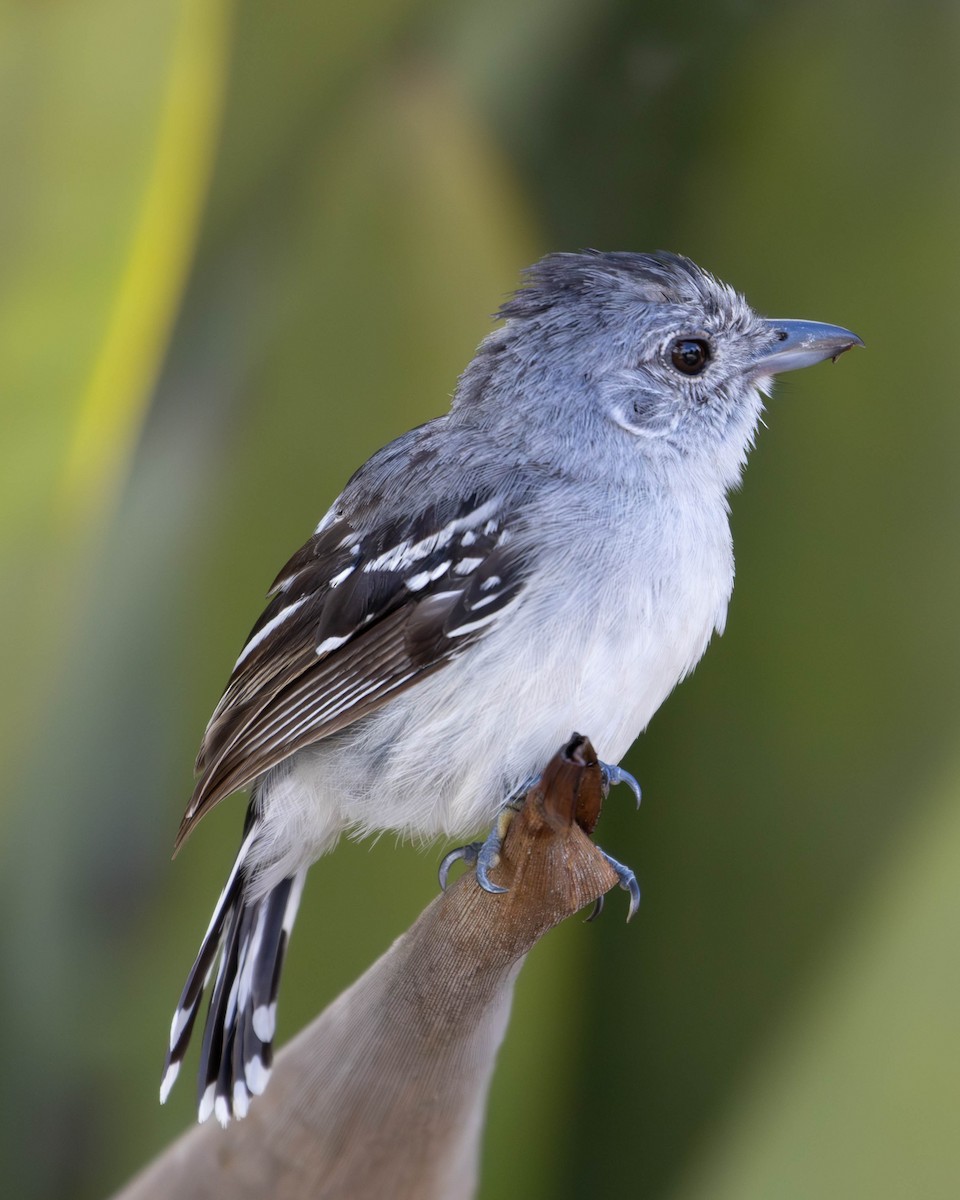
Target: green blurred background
244,244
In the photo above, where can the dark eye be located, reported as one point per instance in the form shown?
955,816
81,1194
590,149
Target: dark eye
690,355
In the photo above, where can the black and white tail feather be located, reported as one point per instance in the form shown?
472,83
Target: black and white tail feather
250,937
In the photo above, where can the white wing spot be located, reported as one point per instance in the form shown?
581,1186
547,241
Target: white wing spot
284,585
484,601
466,565
270,626
472,625
327,520
488,584
344,574
331,643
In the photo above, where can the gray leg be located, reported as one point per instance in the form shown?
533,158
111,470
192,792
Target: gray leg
486,854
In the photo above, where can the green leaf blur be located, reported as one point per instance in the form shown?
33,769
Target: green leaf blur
242,246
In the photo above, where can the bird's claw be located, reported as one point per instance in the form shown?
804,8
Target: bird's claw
488,857
612,775
628,881
597,910
468,853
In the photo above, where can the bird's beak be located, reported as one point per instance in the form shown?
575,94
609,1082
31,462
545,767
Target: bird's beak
801,344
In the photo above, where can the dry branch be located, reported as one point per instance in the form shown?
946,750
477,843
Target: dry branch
383,1095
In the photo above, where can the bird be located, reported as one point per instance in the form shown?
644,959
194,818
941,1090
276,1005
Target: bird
553,553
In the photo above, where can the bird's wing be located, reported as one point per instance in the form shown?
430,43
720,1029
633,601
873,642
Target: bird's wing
355,618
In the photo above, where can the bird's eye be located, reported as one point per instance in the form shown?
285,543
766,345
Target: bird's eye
690,355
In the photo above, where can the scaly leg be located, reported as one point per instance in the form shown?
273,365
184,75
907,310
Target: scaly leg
485,855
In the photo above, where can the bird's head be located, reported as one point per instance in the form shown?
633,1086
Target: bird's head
648,349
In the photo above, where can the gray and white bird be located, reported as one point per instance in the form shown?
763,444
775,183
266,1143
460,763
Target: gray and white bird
552,554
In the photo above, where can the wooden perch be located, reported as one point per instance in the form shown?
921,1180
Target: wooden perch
383,1095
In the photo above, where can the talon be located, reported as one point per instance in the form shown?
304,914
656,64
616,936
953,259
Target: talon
487,858
469,855
597,910
628,881
613,775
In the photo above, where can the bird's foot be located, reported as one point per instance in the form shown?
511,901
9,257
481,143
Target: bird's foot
628,881
612,775
485,855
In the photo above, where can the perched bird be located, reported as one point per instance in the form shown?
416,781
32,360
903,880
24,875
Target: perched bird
552,554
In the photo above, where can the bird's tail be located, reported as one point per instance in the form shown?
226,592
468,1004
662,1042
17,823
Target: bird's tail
250,937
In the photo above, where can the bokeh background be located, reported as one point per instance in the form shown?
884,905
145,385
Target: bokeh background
244,244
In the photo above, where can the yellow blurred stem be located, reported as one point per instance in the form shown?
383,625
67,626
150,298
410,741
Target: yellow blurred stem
115,401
